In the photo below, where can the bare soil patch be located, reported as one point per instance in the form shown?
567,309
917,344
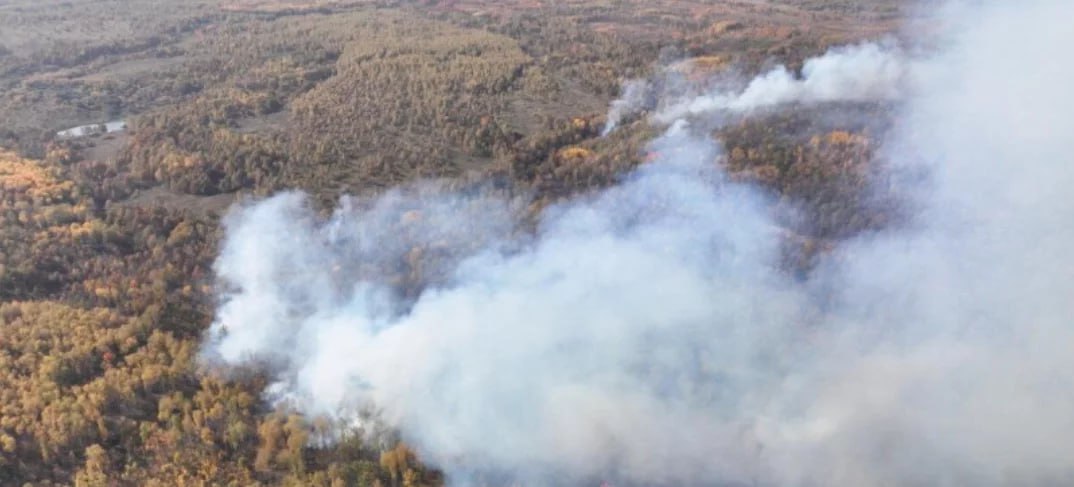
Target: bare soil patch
161,197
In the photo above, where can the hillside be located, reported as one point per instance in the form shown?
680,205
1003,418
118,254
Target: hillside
107,241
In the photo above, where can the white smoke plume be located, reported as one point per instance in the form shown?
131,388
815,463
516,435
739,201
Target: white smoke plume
645,334
633,97
870,71
863,72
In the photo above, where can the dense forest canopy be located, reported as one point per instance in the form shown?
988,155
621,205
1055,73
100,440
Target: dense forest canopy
107,241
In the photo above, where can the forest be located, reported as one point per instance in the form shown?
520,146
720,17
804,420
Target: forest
107,241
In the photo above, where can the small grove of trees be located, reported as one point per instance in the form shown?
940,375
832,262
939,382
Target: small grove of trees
827,172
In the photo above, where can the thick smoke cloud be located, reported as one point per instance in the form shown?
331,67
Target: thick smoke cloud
646,335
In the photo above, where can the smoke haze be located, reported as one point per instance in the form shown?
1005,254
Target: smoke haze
634,96
646,335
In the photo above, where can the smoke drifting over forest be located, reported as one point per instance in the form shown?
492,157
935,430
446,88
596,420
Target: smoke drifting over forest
647,335
863,72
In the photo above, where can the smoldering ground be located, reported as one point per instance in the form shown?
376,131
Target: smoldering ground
646,333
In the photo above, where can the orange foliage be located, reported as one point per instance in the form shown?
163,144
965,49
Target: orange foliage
25,179
574,152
